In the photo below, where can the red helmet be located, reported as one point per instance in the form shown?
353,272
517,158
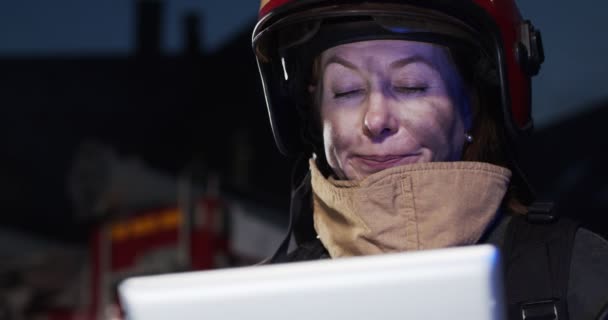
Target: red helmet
490,35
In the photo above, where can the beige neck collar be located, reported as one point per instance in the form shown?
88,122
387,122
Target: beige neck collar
411,207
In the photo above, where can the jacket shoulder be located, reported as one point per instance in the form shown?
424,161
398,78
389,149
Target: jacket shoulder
588,282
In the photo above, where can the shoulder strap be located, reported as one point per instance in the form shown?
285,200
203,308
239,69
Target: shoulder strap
312,250
537,253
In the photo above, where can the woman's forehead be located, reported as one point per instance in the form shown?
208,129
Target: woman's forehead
384,51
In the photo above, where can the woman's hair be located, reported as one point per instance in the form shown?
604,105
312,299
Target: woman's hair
489,142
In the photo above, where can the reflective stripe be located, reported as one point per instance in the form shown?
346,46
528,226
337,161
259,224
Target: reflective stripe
145,225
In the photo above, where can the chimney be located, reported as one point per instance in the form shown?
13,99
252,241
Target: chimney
149,27
192,35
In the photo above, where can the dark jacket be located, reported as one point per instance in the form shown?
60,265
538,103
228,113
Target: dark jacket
586,272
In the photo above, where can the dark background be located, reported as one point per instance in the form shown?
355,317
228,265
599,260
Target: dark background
174,84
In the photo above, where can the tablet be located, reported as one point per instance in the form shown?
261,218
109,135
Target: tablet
453,283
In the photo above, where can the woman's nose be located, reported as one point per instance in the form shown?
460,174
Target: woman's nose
378,120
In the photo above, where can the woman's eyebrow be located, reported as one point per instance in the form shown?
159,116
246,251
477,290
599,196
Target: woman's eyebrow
339,60
412,59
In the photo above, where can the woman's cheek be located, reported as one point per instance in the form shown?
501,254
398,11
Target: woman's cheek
339,135
450,126
429,122
448,131
336,136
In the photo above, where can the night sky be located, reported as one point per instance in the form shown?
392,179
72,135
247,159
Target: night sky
573,32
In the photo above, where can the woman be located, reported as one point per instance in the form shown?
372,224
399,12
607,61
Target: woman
410,113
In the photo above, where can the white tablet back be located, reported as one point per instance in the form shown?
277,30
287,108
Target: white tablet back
455,283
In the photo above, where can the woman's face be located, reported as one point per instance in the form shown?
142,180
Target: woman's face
386,103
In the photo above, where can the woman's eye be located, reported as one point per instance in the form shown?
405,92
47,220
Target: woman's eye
410,89
348,93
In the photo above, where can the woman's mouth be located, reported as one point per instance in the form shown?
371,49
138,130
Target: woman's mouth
373,163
